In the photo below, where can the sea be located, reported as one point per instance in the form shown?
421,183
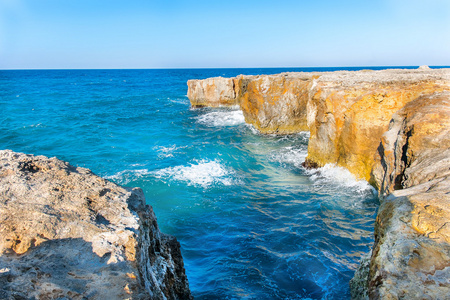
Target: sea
251,221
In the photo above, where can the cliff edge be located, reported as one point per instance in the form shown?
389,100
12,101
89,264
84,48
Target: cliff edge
389,127
67,233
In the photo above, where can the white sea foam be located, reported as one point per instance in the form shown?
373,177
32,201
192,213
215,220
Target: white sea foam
178,100
291,155
164,152
222,118
331,176
35,125
203,172
126,176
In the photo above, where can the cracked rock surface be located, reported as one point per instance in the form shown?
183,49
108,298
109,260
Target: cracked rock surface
67,233
391,128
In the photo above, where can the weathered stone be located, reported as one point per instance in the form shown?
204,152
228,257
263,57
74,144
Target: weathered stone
359,283
213,92
276,103
416,148
67,233
391,127
349,112
411,257
345,112
411,254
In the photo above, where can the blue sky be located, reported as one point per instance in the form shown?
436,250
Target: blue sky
207,34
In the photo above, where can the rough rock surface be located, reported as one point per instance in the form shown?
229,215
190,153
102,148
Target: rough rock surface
66,233
345,112
411,254
416,148
392,128
276,103
349,112
213,92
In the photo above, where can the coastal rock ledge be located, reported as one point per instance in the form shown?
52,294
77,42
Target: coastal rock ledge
66,233
389,127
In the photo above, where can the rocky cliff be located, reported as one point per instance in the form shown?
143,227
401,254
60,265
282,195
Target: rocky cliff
66,233
389,127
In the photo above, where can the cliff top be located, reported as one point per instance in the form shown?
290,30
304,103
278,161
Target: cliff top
349,78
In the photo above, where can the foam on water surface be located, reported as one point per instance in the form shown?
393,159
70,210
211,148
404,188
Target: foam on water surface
167,151
126,176
222,118
202,173
252,223
290,155
330,177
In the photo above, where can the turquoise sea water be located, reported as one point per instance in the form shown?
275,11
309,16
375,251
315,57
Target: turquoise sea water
252,223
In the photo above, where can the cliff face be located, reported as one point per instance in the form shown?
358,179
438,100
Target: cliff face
349,111
275,104
345,112
66,233
391,128
213,92
411,254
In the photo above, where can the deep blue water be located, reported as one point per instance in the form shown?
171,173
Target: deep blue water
253,224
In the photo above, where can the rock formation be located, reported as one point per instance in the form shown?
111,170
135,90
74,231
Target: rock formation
66,233
213,92
411,253
391,128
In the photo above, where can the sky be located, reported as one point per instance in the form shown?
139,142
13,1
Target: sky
103,34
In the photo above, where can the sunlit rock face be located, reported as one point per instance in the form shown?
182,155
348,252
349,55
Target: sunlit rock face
213,92
67,233
391,128
349,112
345,112
411,255
416,147
276,104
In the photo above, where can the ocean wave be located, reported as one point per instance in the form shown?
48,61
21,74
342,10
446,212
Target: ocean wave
330,176
199,173
291,155
165,152
222,118
127,176
178,101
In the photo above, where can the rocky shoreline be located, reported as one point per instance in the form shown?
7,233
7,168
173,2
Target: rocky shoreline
389,127
66,233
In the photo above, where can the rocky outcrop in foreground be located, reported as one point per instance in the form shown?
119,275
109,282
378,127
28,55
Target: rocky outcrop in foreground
391,128
66,233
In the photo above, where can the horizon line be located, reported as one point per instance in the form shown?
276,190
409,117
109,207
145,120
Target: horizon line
212,68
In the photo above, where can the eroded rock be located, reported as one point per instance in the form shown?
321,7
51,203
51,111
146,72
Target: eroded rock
345,112
213,92
411,254
391,127
67,233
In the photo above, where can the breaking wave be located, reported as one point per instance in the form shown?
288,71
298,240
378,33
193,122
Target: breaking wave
200,173
222,118
331,176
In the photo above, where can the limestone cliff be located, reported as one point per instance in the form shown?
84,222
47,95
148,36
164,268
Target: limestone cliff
392,128
411,254
213,92
67,233
275,104
345,112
